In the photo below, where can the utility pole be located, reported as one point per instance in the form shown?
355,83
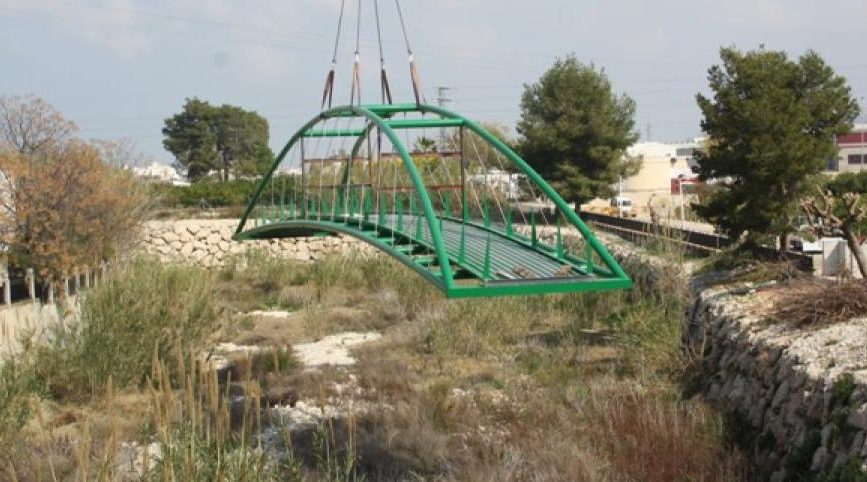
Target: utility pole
443,99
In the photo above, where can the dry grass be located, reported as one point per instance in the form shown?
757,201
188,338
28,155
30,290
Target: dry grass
815,303
649,437
573,387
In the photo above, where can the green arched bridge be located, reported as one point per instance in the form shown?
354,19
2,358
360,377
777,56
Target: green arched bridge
438,192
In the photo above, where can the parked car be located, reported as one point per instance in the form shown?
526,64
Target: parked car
622,207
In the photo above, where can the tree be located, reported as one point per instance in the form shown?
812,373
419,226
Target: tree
772,121
29,125
120,153
841,206
480,151
425,144
575,130
226,139
61,206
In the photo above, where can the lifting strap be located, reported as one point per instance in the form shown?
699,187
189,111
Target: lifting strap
416,81
356,68
383,76
328,92
413,69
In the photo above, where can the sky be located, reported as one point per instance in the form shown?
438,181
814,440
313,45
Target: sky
118,68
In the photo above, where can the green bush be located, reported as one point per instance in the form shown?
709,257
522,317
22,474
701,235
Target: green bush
16,384
210,193
145,310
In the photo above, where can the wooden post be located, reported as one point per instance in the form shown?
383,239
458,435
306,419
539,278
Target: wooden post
31,283
7,287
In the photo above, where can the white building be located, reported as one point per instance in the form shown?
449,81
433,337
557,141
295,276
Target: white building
497,179
665,168
157,172
853,151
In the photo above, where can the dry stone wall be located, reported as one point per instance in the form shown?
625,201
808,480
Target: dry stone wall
797,397
209,243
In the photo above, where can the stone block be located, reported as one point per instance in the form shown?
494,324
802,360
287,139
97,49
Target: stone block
858,418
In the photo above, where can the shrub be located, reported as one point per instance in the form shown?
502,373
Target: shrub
16,385
812,303
144,311
258,280
214,194
646,437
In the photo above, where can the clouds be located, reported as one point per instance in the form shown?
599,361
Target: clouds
110,25
259,32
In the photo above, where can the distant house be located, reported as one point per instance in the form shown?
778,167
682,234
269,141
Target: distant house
853,151
163,173
507,183
667,169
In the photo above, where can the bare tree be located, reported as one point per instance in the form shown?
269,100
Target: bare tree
29,125
120,153
845,213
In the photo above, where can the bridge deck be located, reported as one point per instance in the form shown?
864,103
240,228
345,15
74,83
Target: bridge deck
510,258
482,254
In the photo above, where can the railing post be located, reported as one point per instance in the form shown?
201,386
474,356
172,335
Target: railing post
51,289
31,283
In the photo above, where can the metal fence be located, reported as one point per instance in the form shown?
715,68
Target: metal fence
636,230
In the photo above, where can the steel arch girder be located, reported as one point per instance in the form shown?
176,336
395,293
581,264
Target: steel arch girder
534,176
619,280
372,114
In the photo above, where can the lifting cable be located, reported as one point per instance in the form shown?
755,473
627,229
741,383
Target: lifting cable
383,77
328,92
356,69
413,69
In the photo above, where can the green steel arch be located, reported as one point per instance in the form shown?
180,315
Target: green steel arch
451,248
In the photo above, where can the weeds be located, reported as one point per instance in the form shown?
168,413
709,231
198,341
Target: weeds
144,308
577,387
16,387
647,437
259,281
813,303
